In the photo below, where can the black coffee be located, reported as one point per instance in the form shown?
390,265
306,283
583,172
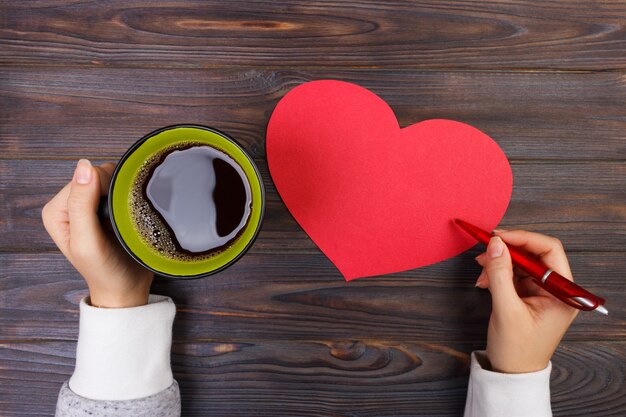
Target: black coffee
191,201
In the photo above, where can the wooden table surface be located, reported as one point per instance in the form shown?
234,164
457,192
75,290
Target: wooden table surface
280,333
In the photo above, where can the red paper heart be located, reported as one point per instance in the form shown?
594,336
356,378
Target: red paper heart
375,198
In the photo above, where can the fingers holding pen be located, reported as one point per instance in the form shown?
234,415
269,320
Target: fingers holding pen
547,248
523,282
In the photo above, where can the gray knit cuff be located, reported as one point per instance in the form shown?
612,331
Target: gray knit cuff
162,404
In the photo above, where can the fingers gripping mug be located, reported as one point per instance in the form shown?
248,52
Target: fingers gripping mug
185,201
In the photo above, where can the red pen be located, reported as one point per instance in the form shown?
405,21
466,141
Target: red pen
557,285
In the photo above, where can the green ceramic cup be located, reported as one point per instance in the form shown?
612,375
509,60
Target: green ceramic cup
118,209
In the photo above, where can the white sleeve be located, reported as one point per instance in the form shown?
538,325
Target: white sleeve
492,394
124,353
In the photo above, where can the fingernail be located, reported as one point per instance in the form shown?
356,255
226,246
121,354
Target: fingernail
480,282
83,172
495,248
499,230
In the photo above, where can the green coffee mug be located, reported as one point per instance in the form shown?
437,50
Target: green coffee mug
117,208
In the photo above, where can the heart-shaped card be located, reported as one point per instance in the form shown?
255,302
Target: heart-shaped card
376,198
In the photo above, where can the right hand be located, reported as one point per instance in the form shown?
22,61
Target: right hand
115,280
527,323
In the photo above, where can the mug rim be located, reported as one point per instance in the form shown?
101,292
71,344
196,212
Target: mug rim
132,149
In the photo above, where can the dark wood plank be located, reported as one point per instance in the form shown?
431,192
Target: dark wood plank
582,203
323,378
301,296
72,113
555,34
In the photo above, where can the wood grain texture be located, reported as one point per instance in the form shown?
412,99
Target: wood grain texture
323,378
303,297
581,202
72,113
448,34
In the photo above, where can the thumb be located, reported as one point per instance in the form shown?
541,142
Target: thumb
86,235
500,273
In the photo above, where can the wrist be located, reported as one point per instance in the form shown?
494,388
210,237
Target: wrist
131,299
510,366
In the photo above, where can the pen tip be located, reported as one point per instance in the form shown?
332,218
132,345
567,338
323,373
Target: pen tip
462,223
602,310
